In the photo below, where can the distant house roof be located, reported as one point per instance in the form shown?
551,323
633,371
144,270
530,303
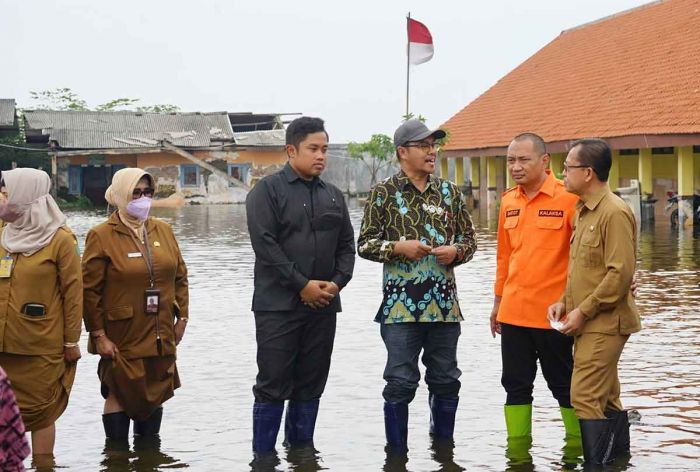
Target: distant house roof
260,138
125,129
243,122
7,113
632,78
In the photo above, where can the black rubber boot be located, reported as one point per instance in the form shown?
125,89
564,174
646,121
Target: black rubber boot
396,425
597,438
621,430
300,423
116,425
151,425
266,424
442,416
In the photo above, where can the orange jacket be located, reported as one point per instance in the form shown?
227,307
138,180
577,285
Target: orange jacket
533,252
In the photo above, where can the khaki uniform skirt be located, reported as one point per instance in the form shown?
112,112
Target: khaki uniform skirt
42,385
140,385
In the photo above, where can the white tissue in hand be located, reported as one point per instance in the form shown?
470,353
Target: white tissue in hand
558,325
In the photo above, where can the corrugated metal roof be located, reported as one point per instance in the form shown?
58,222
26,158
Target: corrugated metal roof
119,129
261,138
7,112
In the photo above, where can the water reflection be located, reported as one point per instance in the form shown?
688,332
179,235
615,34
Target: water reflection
146,456
208,427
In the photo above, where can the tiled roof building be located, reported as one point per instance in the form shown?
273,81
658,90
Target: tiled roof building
632,78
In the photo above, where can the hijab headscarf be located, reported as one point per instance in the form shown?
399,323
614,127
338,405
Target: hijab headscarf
119,195
40,217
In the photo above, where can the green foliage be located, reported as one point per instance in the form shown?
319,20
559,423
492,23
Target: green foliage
21,157
58,99
66,99
74,203
375,154
116,104
410,116
379,146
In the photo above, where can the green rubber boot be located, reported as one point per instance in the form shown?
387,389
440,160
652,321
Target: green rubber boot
518,420
571,424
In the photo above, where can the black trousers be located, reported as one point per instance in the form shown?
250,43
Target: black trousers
294,354
521,348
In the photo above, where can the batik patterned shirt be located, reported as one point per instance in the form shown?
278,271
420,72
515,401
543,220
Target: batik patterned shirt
424,290
13,443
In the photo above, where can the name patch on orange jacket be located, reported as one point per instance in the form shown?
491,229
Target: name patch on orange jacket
512,213
551,213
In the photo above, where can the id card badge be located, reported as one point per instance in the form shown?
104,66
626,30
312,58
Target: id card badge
152,301
6,267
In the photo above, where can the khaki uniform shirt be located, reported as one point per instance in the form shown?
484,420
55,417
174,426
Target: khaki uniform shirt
115,277
601,265
49,277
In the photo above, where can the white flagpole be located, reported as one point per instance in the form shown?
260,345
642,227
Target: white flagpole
408,59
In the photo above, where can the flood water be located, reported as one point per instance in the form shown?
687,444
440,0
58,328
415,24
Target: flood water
207,425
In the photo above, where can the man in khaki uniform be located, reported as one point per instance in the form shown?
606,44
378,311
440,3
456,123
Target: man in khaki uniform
597,306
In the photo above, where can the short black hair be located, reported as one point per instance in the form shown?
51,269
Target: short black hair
535,139
596,154
300,128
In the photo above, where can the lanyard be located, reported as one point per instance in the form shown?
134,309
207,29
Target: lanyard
145,250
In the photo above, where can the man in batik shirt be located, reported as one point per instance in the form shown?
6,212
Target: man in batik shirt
417,225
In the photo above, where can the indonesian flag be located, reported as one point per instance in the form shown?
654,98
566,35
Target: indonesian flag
420,42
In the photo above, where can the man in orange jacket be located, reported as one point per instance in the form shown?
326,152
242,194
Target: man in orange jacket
534,228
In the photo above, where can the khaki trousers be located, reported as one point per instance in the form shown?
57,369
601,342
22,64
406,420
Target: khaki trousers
595,387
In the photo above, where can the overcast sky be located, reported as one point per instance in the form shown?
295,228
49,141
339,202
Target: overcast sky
342,61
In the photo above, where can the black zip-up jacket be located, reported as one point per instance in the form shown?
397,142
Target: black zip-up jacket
300,231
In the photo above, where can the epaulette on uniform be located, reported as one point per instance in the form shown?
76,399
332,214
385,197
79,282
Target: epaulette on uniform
510,189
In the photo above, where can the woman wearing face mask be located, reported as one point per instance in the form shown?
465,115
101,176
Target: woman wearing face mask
136,306
41,300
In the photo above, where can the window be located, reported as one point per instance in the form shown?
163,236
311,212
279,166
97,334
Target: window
238,171
662,150
189,175
629,152
75,179
116,167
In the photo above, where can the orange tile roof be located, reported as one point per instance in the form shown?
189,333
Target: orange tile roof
634,73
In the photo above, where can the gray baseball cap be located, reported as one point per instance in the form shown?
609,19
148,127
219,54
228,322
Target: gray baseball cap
415,130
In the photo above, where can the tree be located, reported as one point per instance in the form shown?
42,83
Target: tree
375,154
408,116
66,99
58,99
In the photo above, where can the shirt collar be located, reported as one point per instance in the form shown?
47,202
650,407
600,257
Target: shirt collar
592,201
547,187
403,181
292,176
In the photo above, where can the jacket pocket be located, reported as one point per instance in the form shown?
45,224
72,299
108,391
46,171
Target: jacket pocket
118,323
120,313
547,228
511,222
327,221
590,250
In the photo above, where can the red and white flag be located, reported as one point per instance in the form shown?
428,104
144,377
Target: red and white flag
420,42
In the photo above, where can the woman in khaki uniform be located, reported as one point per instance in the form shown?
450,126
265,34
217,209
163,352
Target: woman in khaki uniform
40,304
136,306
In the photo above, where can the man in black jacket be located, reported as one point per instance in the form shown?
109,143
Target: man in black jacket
304,255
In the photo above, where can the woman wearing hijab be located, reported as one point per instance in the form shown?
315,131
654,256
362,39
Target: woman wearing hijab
136,306
41,301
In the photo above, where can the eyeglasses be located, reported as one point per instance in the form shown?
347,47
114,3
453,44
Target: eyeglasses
425,147
147,192
565,167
